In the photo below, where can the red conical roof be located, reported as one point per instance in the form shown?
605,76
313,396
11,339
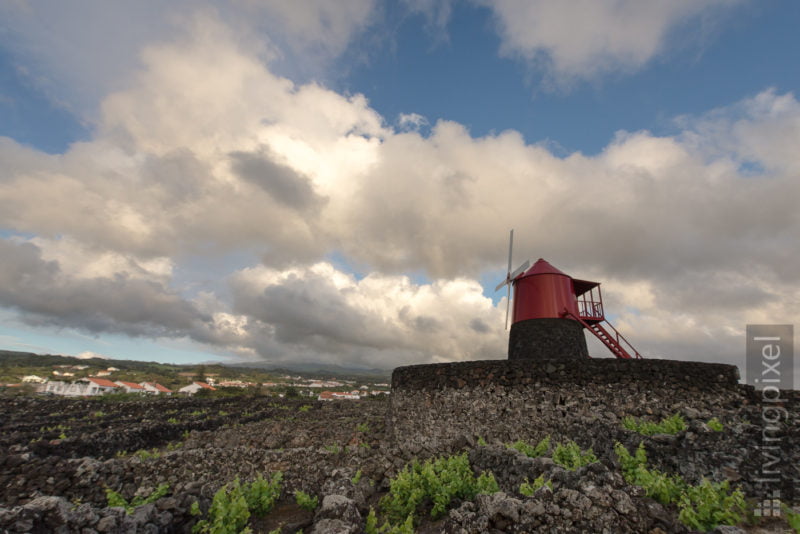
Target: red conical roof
542,267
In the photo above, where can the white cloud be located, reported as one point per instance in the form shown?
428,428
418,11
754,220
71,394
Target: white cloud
88,355
587,38
77,54
411,121
207,150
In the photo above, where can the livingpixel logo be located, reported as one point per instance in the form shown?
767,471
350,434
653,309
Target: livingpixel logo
770,368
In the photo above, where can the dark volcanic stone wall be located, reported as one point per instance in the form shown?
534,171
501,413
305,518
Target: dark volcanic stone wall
547,339
435,407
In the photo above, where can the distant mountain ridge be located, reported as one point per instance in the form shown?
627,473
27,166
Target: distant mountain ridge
310,369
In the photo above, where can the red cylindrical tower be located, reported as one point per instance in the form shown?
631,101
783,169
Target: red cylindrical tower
543,292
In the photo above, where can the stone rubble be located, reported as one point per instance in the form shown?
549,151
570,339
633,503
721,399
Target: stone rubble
59,484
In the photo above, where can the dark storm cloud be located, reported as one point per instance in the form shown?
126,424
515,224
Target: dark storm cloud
479,326
282,183
308,310
44,295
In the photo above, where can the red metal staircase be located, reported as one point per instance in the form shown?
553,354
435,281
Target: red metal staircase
610,337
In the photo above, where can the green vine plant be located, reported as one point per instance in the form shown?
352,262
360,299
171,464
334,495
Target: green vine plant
234,503
570,456
363,428
115,499
670,425
306,501
144,454
528,489
709,504
662,487
793,518
701,507
715,425
531,451
436,482
371,526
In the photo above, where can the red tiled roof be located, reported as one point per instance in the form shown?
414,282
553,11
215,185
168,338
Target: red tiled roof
103,382
207,386
159,387
130,385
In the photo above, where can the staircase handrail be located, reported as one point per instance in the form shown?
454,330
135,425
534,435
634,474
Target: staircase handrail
617,334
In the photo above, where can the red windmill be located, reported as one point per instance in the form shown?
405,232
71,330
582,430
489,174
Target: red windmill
551,310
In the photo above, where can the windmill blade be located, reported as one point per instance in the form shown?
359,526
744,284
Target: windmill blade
508,271
501,284
510,248
519,270
508,304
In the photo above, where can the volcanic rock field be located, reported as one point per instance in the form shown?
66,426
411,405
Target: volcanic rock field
59,458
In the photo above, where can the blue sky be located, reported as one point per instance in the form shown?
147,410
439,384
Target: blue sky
336,183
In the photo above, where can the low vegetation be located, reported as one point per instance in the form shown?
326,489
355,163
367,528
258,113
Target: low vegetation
570,456
702,507
669,425
306,501
371,526
793,518
234,503
531,451
439,482
715,425
115,499
528,489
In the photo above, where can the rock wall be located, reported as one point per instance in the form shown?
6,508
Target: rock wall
546,339
442,408
435,407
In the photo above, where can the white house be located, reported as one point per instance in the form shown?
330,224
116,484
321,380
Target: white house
194,387
130,387
80,388
154,388
336,395
33,379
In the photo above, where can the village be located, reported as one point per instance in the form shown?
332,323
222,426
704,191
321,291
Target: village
82,380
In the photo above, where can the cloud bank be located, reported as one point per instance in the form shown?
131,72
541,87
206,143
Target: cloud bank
206,150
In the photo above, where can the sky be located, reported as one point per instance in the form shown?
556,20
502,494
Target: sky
334,182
